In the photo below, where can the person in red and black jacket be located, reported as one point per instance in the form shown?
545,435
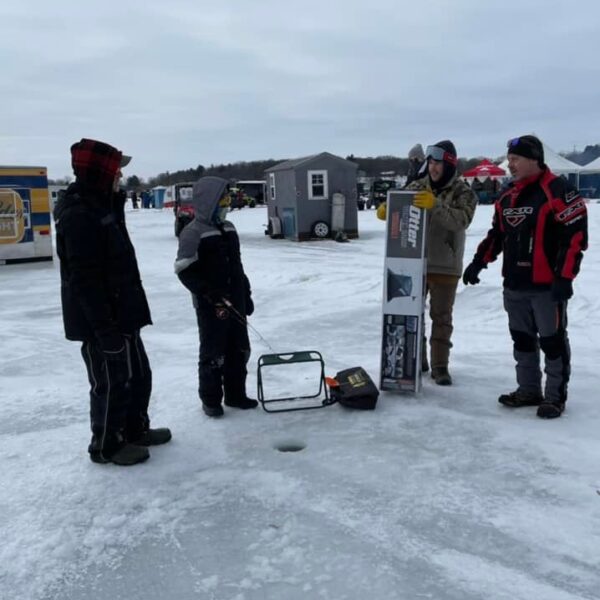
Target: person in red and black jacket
540,225
104,304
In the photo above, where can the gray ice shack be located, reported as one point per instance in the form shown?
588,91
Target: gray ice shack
312,197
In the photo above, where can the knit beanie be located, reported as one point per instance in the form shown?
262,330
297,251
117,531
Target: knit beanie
528,146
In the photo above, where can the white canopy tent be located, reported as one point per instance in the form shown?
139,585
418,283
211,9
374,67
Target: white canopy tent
591,167
558,164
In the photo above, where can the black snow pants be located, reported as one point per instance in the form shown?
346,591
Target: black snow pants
119,391
224,353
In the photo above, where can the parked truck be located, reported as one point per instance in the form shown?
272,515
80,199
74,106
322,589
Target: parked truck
179,197
379,190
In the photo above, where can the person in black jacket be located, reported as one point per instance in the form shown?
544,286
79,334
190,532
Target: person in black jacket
104,304
210,266
540,225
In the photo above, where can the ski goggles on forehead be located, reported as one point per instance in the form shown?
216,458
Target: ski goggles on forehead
513,142
524,146
438,153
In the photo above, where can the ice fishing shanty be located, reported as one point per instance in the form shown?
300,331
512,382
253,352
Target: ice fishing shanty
312,197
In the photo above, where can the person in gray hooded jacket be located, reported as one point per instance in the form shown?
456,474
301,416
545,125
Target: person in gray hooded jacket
209,265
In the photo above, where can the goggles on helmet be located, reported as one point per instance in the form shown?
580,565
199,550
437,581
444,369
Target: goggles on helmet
438,153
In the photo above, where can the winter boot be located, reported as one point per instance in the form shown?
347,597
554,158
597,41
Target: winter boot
153,437
550,410
213,410
519,398
117,451
243,403
441,376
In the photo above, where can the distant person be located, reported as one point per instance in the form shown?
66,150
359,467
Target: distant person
134,199
240,199
417,167
540,224
451,205
210,266
104,305
477,185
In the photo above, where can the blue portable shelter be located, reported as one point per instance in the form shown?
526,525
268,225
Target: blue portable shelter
158,196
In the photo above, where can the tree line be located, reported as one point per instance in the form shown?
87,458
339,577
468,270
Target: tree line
368,166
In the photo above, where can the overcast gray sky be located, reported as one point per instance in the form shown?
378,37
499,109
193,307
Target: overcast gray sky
178,83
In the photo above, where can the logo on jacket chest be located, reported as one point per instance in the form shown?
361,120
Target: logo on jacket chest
515,216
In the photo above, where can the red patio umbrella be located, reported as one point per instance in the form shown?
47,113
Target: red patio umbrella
485,169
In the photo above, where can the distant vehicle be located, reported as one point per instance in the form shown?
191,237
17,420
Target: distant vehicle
379,191
254,191
179,196
238,198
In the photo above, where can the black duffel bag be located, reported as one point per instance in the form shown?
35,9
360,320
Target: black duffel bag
354,388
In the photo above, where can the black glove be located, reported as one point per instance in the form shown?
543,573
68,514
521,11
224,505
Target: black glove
562,289
249,306
470,276
221,311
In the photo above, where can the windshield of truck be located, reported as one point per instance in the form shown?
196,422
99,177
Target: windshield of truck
382,186
184,194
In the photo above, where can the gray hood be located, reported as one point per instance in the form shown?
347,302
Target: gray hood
206,194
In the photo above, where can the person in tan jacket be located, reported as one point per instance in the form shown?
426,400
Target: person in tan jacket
451,205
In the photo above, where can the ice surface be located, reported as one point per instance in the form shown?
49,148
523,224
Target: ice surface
442,496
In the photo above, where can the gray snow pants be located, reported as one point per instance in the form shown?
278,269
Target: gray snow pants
538,322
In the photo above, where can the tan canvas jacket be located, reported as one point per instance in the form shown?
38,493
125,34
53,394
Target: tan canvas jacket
448,221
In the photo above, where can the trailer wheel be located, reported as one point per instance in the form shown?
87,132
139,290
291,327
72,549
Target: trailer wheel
321,229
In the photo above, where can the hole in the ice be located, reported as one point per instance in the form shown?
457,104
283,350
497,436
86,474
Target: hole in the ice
289,446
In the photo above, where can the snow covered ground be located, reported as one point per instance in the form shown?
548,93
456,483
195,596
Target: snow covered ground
444,496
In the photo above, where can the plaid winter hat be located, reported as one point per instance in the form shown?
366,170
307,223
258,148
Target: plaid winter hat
528,146
96,164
